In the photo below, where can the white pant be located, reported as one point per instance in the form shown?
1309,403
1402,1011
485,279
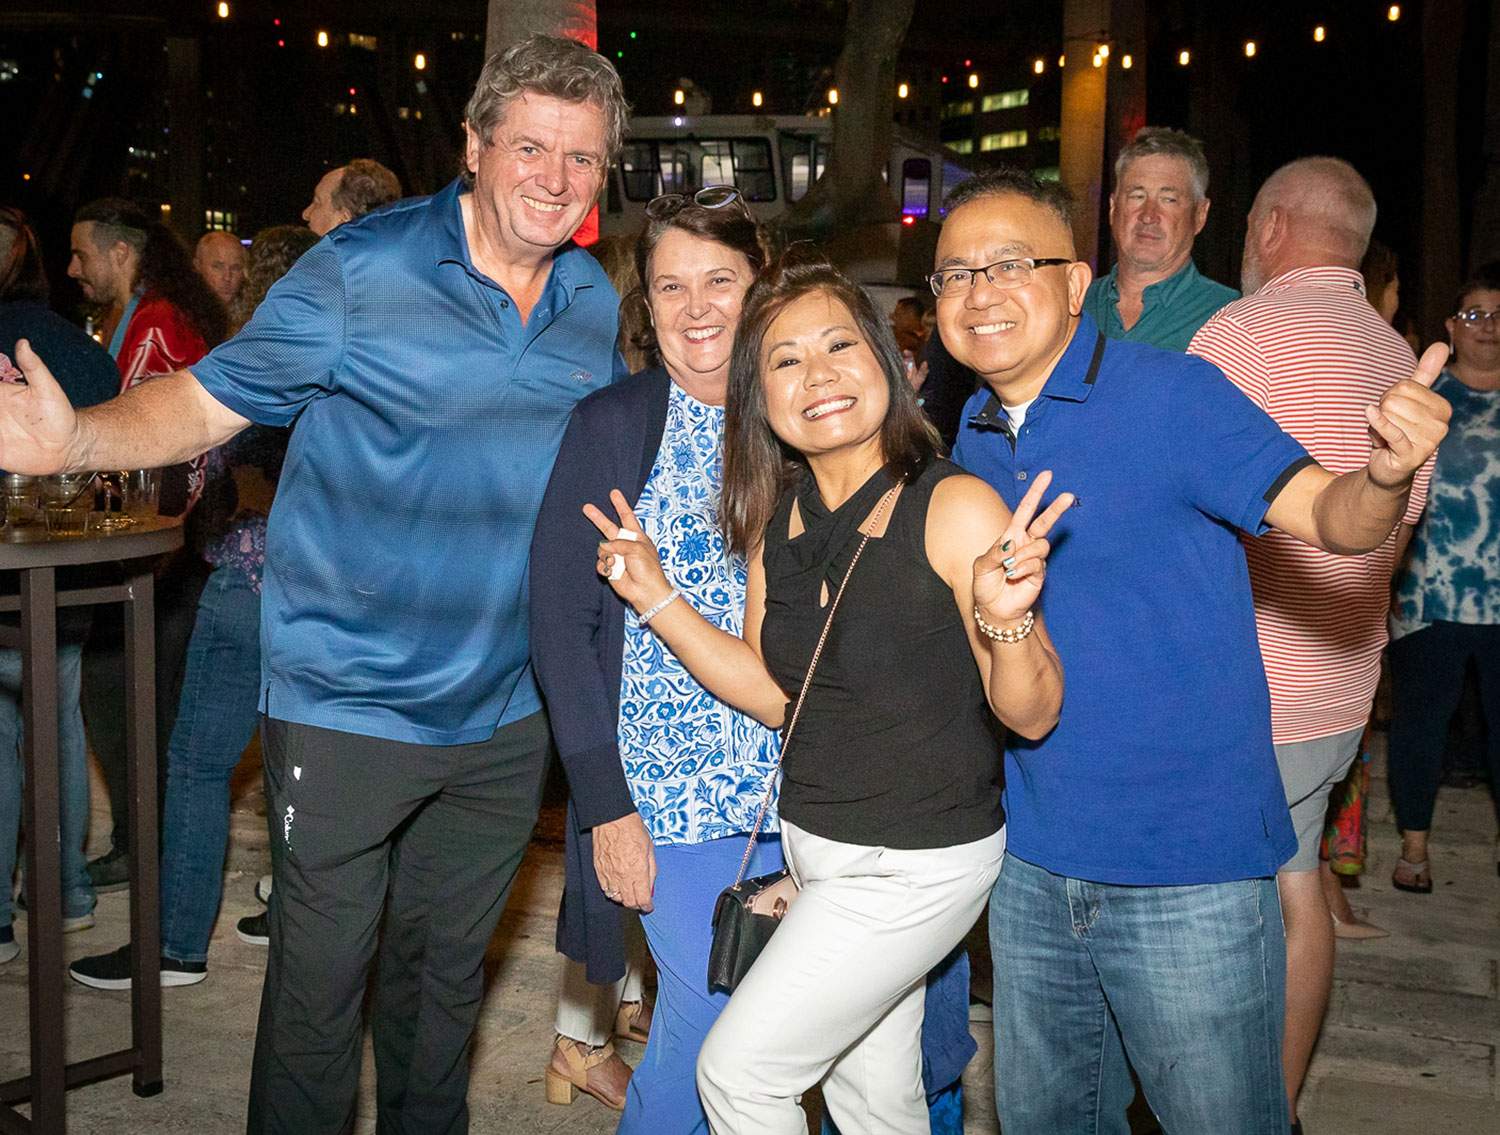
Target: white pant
586,1013
838,994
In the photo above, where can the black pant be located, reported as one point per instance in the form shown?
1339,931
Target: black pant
431,835
1427,676
103,699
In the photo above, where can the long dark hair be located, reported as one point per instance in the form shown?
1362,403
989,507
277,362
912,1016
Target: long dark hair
758,466
166,266
22,274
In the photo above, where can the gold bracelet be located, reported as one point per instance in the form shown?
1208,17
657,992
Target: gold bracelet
1011,636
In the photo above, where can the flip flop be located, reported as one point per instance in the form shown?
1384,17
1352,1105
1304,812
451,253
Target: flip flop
1419,873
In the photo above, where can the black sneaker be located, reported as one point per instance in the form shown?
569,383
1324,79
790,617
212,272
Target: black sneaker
112,971
110,872
9,948
255,929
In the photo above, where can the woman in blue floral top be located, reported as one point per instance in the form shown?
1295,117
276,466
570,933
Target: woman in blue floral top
1448,602
665,779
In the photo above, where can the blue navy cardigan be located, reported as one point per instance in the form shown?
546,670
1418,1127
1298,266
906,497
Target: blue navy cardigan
578,641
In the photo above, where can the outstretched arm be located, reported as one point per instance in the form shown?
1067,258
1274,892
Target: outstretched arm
996,562
162,422
727,666
1353,514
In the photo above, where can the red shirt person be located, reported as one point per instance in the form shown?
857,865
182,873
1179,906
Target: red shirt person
161,313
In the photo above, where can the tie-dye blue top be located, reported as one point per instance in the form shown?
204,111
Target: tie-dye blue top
1454,572
697,769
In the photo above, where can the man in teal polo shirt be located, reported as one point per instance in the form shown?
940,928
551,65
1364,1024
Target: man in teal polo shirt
1136,911
1155,293
430,355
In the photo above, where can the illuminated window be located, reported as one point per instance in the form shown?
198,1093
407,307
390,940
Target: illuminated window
1048,134
962,146
368,42
1005,140
1047,173
916,186
958,109
1005,100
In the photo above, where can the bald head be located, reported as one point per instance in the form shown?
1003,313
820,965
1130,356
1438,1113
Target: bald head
1313,211
220,259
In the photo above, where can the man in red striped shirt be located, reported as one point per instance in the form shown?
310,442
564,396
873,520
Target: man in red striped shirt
1306,345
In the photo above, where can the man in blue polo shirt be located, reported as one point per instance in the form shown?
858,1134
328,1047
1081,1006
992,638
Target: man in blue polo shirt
1137,908
430,354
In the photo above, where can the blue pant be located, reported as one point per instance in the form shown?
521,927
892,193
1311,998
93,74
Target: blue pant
215,721
1188,982
663,1094
72,760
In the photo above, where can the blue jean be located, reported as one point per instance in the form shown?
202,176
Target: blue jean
72,761
1187,982
215,720
663,1095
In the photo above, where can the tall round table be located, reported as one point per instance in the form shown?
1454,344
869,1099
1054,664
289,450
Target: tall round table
36,556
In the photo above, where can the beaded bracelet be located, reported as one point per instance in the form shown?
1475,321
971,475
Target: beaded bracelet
1011,636
651,612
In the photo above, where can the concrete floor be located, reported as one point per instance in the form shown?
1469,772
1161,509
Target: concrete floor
1409,1048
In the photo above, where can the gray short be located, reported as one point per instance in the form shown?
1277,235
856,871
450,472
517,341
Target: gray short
1309,771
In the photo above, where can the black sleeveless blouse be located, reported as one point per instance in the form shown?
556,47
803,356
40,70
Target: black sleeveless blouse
896,745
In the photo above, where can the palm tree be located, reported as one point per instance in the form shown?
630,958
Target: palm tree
512,20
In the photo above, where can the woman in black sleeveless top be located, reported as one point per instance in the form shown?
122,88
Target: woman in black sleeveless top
890,802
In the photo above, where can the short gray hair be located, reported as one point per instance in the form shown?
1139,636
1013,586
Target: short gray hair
1328,201
365,185
549,65
1150,141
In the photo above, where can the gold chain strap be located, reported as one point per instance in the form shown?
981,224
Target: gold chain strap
807,682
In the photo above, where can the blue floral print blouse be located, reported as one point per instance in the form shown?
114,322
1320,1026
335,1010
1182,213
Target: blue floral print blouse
697,769
1453,575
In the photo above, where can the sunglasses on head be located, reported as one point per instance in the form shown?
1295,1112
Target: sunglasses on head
709,197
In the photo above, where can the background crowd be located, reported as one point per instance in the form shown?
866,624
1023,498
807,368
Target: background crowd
772,423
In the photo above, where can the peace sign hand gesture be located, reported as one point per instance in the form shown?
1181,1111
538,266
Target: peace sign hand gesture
627,558
1008,578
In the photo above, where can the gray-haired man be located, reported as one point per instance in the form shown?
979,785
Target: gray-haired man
431,354
1155,293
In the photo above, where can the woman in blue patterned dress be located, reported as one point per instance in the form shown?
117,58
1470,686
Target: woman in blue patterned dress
1448,602
665,779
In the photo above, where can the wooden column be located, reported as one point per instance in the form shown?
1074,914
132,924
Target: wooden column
1084,102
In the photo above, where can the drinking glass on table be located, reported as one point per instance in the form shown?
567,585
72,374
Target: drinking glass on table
142,492
21,497
68,499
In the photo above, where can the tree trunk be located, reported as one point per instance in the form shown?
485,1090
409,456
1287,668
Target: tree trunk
851,191
1440,259
513,20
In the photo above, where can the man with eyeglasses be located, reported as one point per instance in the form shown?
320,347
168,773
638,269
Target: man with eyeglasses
1155,293
1306,346
430,354
1137,909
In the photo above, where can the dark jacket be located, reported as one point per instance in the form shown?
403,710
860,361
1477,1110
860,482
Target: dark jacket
578,641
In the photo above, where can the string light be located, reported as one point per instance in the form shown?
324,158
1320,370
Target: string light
223,11
678,97
1184,57
1103,51
1127,62
1062,60
1250,49
420,62
1039,66
322,39
833,96
1098,60
901,92
757,99
1320,33
1393,13
973,81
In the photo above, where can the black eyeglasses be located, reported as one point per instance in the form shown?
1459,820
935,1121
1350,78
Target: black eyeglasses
1004,274
1474,316
709,197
